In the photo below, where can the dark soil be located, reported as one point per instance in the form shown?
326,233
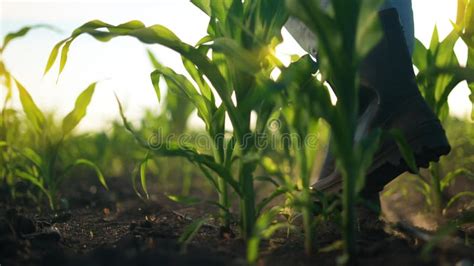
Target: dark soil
117,228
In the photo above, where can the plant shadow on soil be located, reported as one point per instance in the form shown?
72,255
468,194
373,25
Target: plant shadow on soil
117,228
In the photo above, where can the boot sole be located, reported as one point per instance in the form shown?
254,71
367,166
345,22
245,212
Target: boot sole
428,144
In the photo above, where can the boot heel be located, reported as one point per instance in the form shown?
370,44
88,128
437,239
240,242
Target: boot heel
430,144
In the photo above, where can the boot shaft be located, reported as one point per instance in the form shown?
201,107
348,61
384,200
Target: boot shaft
388,69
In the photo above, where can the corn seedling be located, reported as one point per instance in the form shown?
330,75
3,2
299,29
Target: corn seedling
302,124
439,73
9,124
346,33
42,169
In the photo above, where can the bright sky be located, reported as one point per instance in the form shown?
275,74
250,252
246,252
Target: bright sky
122,65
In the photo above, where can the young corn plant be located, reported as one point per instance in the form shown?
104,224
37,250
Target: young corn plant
439,73
9,126
233,63
171,121
301,117
296,127
346,33
43,169
176,107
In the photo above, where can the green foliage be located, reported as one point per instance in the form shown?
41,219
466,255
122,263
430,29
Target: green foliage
251,29
228,77
9,123
436,86
189,232
301,118
439,73
43,167
346,33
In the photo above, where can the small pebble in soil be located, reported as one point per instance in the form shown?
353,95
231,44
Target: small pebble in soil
226,233
93,189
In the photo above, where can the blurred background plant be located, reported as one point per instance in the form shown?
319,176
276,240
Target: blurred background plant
43,166
439,73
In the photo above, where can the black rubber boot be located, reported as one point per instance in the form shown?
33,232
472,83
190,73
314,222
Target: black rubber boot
388,72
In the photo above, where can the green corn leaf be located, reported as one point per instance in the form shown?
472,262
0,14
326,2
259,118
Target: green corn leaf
143,179
155,80
153,60
187,200
33,157
204,5
420,55
128,126
218,205
64,53
217,124
141,170
229,152
452,176
267,179
263,222
22,32
299,73
158,34
244,60
37,182
187,89
190,232
33,113
124,28
72,119
210,178
461,73
269,165
94,167
368,30
459,196
461,10
155,76
204,40
278,192
199,79
471,97
179,150
405,149
334,246
53,55
434,40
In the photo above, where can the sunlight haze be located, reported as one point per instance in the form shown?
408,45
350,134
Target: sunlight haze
122,66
